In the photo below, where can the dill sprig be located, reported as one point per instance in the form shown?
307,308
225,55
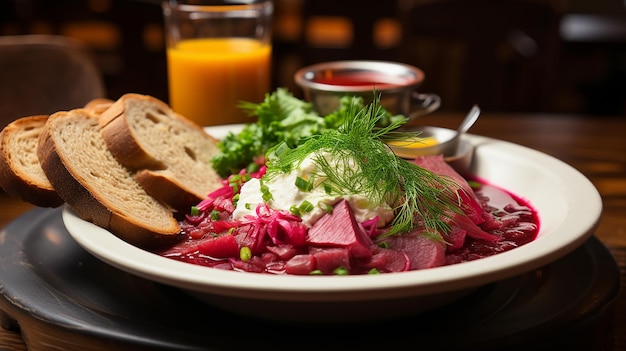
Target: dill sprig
363,164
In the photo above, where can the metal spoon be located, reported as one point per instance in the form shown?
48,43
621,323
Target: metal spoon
465,125
449,140
468,121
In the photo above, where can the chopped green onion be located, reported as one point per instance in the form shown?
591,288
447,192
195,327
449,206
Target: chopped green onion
474,184
325,207
215,215
305,207
303,184
194,211
281,149
341,271
245,253
235,187
294,210
316,272
328,189
373,271
265,192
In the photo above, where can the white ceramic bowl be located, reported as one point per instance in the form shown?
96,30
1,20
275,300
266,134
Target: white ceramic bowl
568,204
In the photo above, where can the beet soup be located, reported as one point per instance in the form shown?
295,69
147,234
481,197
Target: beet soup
337,244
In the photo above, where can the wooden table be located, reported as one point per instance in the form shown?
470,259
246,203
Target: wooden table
596,146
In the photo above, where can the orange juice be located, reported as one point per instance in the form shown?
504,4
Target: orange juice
208,77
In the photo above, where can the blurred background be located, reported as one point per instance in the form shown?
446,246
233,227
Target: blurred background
561,56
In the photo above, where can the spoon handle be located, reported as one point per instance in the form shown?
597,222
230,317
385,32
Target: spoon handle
469,120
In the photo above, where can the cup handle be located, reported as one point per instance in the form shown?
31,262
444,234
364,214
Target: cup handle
425,104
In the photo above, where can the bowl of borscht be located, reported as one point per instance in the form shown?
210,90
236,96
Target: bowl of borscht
543,209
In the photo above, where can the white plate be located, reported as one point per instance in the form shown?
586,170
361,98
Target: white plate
568,204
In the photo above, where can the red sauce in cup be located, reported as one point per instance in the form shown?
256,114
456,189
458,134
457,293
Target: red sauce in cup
371,79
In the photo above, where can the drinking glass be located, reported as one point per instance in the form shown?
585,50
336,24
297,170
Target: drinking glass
218,55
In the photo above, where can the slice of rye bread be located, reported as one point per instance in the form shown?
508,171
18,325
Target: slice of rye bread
172,155
99,105
96,186
21,175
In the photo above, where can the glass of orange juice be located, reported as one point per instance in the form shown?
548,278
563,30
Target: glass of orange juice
218,55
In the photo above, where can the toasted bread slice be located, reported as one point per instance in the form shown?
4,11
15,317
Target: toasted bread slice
99,189
99,105
21,175
172,155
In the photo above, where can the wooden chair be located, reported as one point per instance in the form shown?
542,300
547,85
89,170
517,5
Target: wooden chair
499,54
42,74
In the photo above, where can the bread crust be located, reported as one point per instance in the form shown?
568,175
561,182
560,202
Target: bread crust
88,201
13,178
159,175
121,140
99,105
167,188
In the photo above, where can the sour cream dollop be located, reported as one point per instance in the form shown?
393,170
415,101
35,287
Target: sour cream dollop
286,194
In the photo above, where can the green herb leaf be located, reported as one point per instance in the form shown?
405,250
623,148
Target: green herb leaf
281,117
